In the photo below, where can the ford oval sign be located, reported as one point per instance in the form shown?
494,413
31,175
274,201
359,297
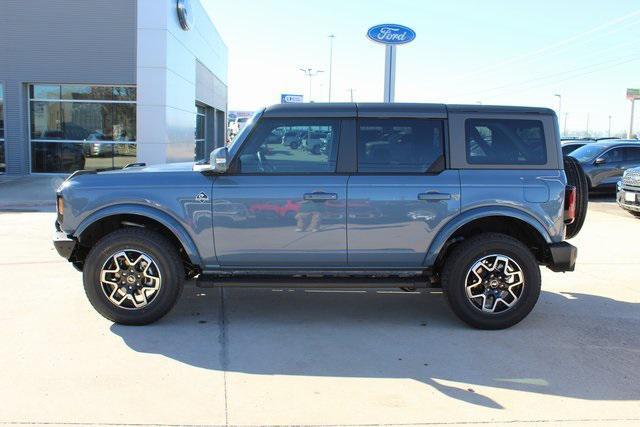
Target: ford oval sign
391,34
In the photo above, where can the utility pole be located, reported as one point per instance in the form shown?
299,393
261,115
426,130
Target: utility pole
566,116
331,37
588,124
310,73
630,134
609,134
351,90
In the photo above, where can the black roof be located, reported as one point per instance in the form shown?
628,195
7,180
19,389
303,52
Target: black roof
381,109
615,142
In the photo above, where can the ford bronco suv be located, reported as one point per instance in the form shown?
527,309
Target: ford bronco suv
472,199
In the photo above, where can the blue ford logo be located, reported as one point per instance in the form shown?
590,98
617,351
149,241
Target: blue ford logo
391,34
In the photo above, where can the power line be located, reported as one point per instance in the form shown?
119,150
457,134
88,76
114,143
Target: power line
508,85
551,47
573,77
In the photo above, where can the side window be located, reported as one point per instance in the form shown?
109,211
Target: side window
632,154
400,145
505,142
280,146
614,155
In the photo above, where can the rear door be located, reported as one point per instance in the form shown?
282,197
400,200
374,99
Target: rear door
401,194
282,205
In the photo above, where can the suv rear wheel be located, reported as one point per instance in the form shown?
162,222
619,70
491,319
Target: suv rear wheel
491,281
133,276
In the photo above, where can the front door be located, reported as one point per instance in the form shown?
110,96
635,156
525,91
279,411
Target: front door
401,195
282,204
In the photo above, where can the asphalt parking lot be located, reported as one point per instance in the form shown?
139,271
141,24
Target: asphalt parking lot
255,357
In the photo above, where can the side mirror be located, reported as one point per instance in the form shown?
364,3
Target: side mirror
600,161
218,162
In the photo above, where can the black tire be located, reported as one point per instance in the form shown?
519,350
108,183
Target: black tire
577,178
316,149
163,253
465,255
294,145
634,213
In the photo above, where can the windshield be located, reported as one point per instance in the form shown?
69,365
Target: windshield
586,153
247,128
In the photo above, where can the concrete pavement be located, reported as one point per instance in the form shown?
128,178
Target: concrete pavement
256,357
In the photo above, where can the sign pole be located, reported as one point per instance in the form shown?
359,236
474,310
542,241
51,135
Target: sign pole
390,73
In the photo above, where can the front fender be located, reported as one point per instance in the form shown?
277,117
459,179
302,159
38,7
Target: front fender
471,215
162,217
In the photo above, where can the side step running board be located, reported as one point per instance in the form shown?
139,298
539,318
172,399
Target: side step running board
314,282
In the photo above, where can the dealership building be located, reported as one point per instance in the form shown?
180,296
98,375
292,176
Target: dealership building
104,83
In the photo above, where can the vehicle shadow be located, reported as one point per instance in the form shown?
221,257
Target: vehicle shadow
572,345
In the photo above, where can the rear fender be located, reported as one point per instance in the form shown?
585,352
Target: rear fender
468,216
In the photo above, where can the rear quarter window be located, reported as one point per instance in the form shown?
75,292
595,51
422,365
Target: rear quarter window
505,142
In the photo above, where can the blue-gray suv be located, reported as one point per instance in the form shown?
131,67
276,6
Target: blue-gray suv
473,199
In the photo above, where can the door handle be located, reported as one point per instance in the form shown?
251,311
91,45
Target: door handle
434,196
319,197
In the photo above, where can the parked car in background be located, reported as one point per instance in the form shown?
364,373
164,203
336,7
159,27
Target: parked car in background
628,194
604,162
568,146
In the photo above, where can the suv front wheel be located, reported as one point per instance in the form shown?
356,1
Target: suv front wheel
133,276
491,281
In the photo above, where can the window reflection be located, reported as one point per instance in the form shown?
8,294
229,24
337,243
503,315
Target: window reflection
84,119
63,157
2,159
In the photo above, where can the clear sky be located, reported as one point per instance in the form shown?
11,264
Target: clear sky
466,51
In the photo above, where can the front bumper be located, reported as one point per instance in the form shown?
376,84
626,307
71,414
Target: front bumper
628,198
64,245
563,257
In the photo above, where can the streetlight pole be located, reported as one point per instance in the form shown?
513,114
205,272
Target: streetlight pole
331,37
351,90
609,134
566,116
310,73
630,134
559,103
588,114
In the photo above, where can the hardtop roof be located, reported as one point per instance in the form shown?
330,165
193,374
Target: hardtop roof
381,109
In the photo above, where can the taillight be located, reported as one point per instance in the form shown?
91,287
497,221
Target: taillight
570,194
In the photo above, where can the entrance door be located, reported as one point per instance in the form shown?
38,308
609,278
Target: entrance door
282,205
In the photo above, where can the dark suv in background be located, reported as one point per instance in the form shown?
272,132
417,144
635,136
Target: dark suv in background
605,161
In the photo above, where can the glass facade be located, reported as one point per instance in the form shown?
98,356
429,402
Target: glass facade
3,166
201,133
81,127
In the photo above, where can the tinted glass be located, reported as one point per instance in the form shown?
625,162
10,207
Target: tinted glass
505,142
79,121
67,157
291,146
45,91
104,93
399,145
2,161
566,149
632,154
123,93
614,155
587,153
